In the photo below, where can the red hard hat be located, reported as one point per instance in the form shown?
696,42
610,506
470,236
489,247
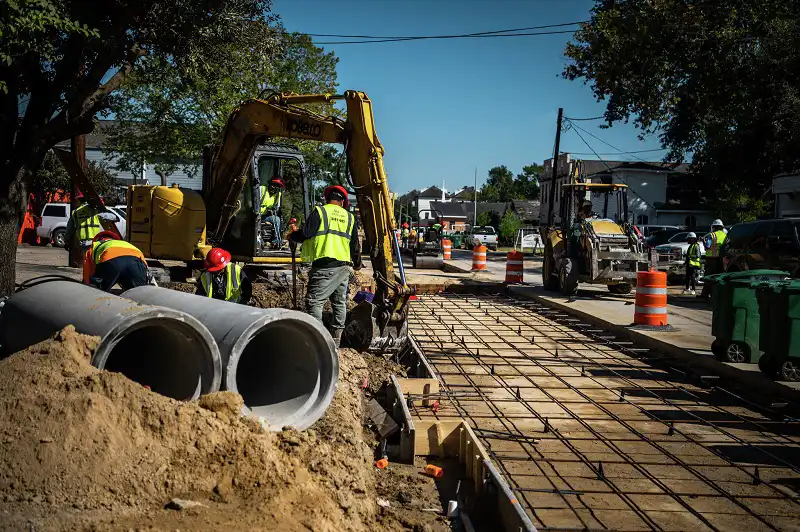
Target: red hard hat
217,259
337,188
405,225
78,194
278,182
105,235
292,220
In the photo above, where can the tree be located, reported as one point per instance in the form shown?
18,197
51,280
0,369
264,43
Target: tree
509,225
499,186
484,218
64,58
51,178
719,80
526,185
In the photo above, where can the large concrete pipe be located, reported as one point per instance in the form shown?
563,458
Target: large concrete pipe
167,350
282,362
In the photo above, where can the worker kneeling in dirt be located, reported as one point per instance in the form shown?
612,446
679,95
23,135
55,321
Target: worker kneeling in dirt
331,246
110,260
223,279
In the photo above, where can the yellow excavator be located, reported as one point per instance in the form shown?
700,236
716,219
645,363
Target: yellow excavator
171,223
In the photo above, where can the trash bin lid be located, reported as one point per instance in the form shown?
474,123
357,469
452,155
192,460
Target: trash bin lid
753,275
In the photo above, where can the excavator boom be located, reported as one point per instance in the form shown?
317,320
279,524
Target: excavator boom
380,325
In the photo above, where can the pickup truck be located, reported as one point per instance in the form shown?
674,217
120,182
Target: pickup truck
672,255
485,235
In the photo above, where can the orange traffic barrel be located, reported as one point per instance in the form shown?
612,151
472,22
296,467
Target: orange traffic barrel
479,258
447,249
651,298
514,264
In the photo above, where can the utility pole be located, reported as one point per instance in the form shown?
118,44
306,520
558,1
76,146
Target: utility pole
475,201
555,167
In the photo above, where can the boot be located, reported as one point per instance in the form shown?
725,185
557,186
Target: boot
337,337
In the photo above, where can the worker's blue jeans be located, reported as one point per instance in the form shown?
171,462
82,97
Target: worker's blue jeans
324,284
276,224
129,272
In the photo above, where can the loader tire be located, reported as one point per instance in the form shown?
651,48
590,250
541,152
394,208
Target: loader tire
549,274
568,277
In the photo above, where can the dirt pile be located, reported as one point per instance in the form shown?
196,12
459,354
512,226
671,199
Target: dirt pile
84,448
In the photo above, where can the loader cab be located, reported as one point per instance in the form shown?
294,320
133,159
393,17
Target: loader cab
249,236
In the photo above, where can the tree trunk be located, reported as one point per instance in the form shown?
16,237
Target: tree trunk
9,230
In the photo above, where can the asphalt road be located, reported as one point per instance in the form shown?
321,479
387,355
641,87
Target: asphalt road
35,261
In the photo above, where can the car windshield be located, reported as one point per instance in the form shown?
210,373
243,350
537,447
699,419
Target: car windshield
680,237
483,231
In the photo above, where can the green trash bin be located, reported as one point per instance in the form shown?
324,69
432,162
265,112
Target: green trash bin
780,333
736,318
457,239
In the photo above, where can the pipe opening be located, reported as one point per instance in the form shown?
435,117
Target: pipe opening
285,374
166,355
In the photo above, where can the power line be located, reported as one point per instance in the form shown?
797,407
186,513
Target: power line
440,37
595,153
582,119
616,153
601,140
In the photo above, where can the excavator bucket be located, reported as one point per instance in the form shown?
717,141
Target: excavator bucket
364,331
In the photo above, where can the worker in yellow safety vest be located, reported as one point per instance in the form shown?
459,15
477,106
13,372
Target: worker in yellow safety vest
224,279
715,238
404,232
109,261
270,206
693,263
331,246
84,224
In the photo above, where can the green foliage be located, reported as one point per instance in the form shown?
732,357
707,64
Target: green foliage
719,80
51,178
484,218
733,205
168,110
501,186
509,225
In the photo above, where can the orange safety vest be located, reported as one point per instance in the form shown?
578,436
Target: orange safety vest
104,250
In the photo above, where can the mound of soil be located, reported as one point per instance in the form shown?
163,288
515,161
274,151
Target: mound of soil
82,448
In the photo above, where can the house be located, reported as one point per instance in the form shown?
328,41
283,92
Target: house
98,152
423,200
786,189
658,193
463,194
527,211
452,215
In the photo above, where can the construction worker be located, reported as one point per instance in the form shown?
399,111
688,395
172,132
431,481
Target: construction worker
713,242
224,279
586,212
404,232
84,224
331,246
109,261
693,262
270,198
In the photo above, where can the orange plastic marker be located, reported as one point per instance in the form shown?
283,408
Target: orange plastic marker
383,463
434,471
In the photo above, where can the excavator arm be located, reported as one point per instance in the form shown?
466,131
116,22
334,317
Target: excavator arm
380,325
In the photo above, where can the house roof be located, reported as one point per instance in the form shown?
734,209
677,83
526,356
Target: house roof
488,206
466,193
527,210
593,167
96,138
431,192
448,209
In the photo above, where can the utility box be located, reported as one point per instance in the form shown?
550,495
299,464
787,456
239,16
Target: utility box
166,222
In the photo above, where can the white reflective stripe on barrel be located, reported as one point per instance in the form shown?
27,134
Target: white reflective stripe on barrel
515,262
478,262
650,291
651,310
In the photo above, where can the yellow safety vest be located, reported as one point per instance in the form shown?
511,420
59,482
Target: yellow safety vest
267,200
233,278
332,239
694,255
717,239
86,222
404,233
104,250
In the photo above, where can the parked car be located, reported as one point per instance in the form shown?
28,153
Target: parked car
764,244
672,255
648,230
486,235
120,211
661,237
53,226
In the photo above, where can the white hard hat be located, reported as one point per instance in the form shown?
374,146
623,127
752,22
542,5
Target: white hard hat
691,235
717,222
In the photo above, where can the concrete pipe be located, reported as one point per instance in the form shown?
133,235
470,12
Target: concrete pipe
282,362
167,350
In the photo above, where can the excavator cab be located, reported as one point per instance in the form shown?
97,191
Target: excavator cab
590,240
257,237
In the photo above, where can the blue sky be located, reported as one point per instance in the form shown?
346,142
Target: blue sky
444,107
